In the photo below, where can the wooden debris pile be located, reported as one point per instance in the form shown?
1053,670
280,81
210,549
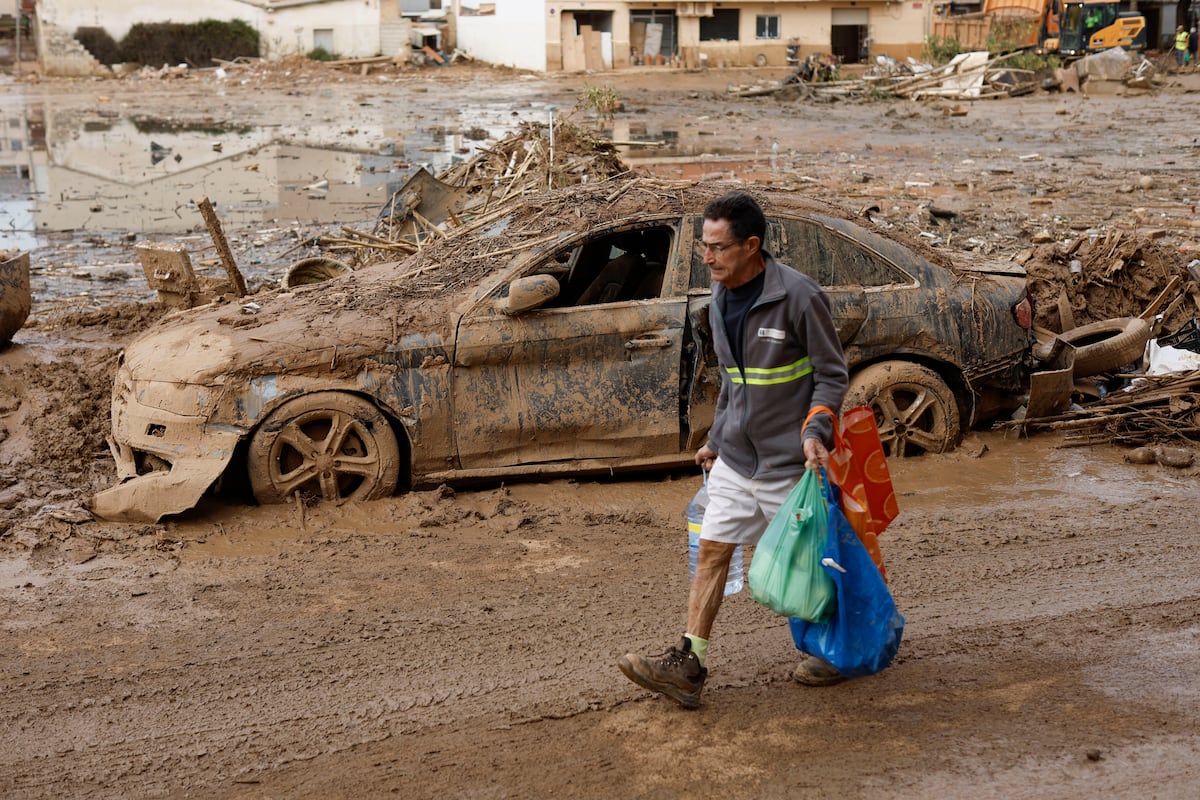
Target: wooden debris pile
480,187
1154,409
968,76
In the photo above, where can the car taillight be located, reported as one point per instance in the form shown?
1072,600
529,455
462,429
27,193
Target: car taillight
1023,313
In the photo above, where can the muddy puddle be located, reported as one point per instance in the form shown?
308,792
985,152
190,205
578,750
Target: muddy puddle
1001,466
99,169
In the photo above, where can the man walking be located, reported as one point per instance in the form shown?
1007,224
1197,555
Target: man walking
780,356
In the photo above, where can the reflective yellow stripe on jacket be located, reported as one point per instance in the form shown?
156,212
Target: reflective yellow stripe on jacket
765,376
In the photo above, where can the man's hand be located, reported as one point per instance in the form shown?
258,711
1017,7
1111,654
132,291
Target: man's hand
815,453
705,457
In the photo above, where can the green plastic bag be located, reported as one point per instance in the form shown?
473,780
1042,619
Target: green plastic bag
786,574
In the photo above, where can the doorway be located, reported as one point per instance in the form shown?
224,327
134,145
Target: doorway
848,35
587,40
652,37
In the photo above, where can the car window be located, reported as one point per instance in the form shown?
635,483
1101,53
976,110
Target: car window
827,256
612,266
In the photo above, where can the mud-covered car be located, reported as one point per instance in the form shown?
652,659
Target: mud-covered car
567,334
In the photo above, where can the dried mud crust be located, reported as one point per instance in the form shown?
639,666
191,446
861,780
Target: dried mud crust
114,321
54,420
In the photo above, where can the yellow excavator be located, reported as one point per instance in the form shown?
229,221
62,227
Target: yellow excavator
1070,28
1089,26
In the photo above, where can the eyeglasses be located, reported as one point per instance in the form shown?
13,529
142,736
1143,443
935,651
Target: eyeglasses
718,248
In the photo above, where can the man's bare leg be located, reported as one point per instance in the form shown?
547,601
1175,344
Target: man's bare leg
708,586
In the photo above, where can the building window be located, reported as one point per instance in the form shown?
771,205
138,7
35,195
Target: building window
323,39
723,24
766,26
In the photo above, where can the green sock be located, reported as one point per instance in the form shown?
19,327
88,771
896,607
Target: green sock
699,646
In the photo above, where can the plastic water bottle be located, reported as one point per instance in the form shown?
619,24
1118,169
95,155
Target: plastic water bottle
695,515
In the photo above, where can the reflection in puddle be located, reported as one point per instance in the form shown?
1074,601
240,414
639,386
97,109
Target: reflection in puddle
102,171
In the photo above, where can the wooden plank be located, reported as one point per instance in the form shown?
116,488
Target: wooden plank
572,45
637,40
592,52
580,56
218,237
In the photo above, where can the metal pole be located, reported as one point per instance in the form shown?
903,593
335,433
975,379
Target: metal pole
550,168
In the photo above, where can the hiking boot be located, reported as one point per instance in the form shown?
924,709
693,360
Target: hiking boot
676,673
814,671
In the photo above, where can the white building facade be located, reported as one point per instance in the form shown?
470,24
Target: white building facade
548,35
347,28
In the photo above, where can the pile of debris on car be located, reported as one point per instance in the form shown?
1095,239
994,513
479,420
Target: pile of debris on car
532,158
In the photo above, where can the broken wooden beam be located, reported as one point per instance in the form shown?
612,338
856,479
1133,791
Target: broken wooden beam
222,245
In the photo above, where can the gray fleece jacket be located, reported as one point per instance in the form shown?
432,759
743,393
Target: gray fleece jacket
793,362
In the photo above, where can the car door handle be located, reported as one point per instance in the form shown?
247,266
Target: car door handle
647,342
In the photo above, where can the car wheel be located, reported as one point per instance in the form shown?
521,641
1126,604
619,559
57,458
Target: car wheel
914,408
327,444
1107,345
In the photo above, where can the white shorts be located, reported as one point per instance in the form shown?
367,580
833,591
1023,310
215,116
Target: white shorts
739,509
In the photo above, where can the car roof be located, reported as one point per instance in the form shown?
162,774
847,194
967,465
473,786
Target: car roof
426,286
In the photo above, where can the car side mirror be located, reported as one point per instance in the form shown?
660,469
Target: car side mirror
529,293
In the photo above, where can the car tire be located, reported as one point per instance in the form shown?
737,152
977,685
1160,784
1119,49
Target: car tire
1107,345
330,445
914,408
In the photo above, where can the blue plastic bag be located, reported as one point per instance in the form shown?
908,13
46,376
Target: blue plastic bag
863,635
785,574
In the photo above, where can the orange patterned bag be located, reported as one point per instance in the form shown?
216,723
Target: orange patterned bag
858,465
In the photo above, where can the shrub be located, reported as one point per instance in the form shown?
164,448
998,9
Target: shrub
196,44
601,99
97,41
938,50
320,54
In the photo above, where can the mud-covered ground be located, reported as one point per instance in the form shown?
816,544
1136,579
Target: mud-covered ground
462,643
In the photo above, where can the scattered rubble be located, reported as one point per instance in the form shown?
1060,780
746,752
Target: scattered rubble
1105,276
1151,409
967,76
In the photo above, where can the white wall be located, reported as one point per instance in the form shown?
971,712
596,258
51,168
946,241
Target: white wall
283,30
355,25
118,16
515,36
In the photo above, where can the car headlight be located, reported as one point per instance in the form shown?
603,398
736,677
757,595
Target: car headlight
181,399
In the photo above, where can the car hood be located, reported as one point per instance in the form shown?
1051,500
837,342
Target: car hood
271,334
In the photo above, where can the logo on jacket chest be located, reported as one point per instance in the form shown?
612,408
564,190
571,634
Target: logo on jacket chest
771,334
